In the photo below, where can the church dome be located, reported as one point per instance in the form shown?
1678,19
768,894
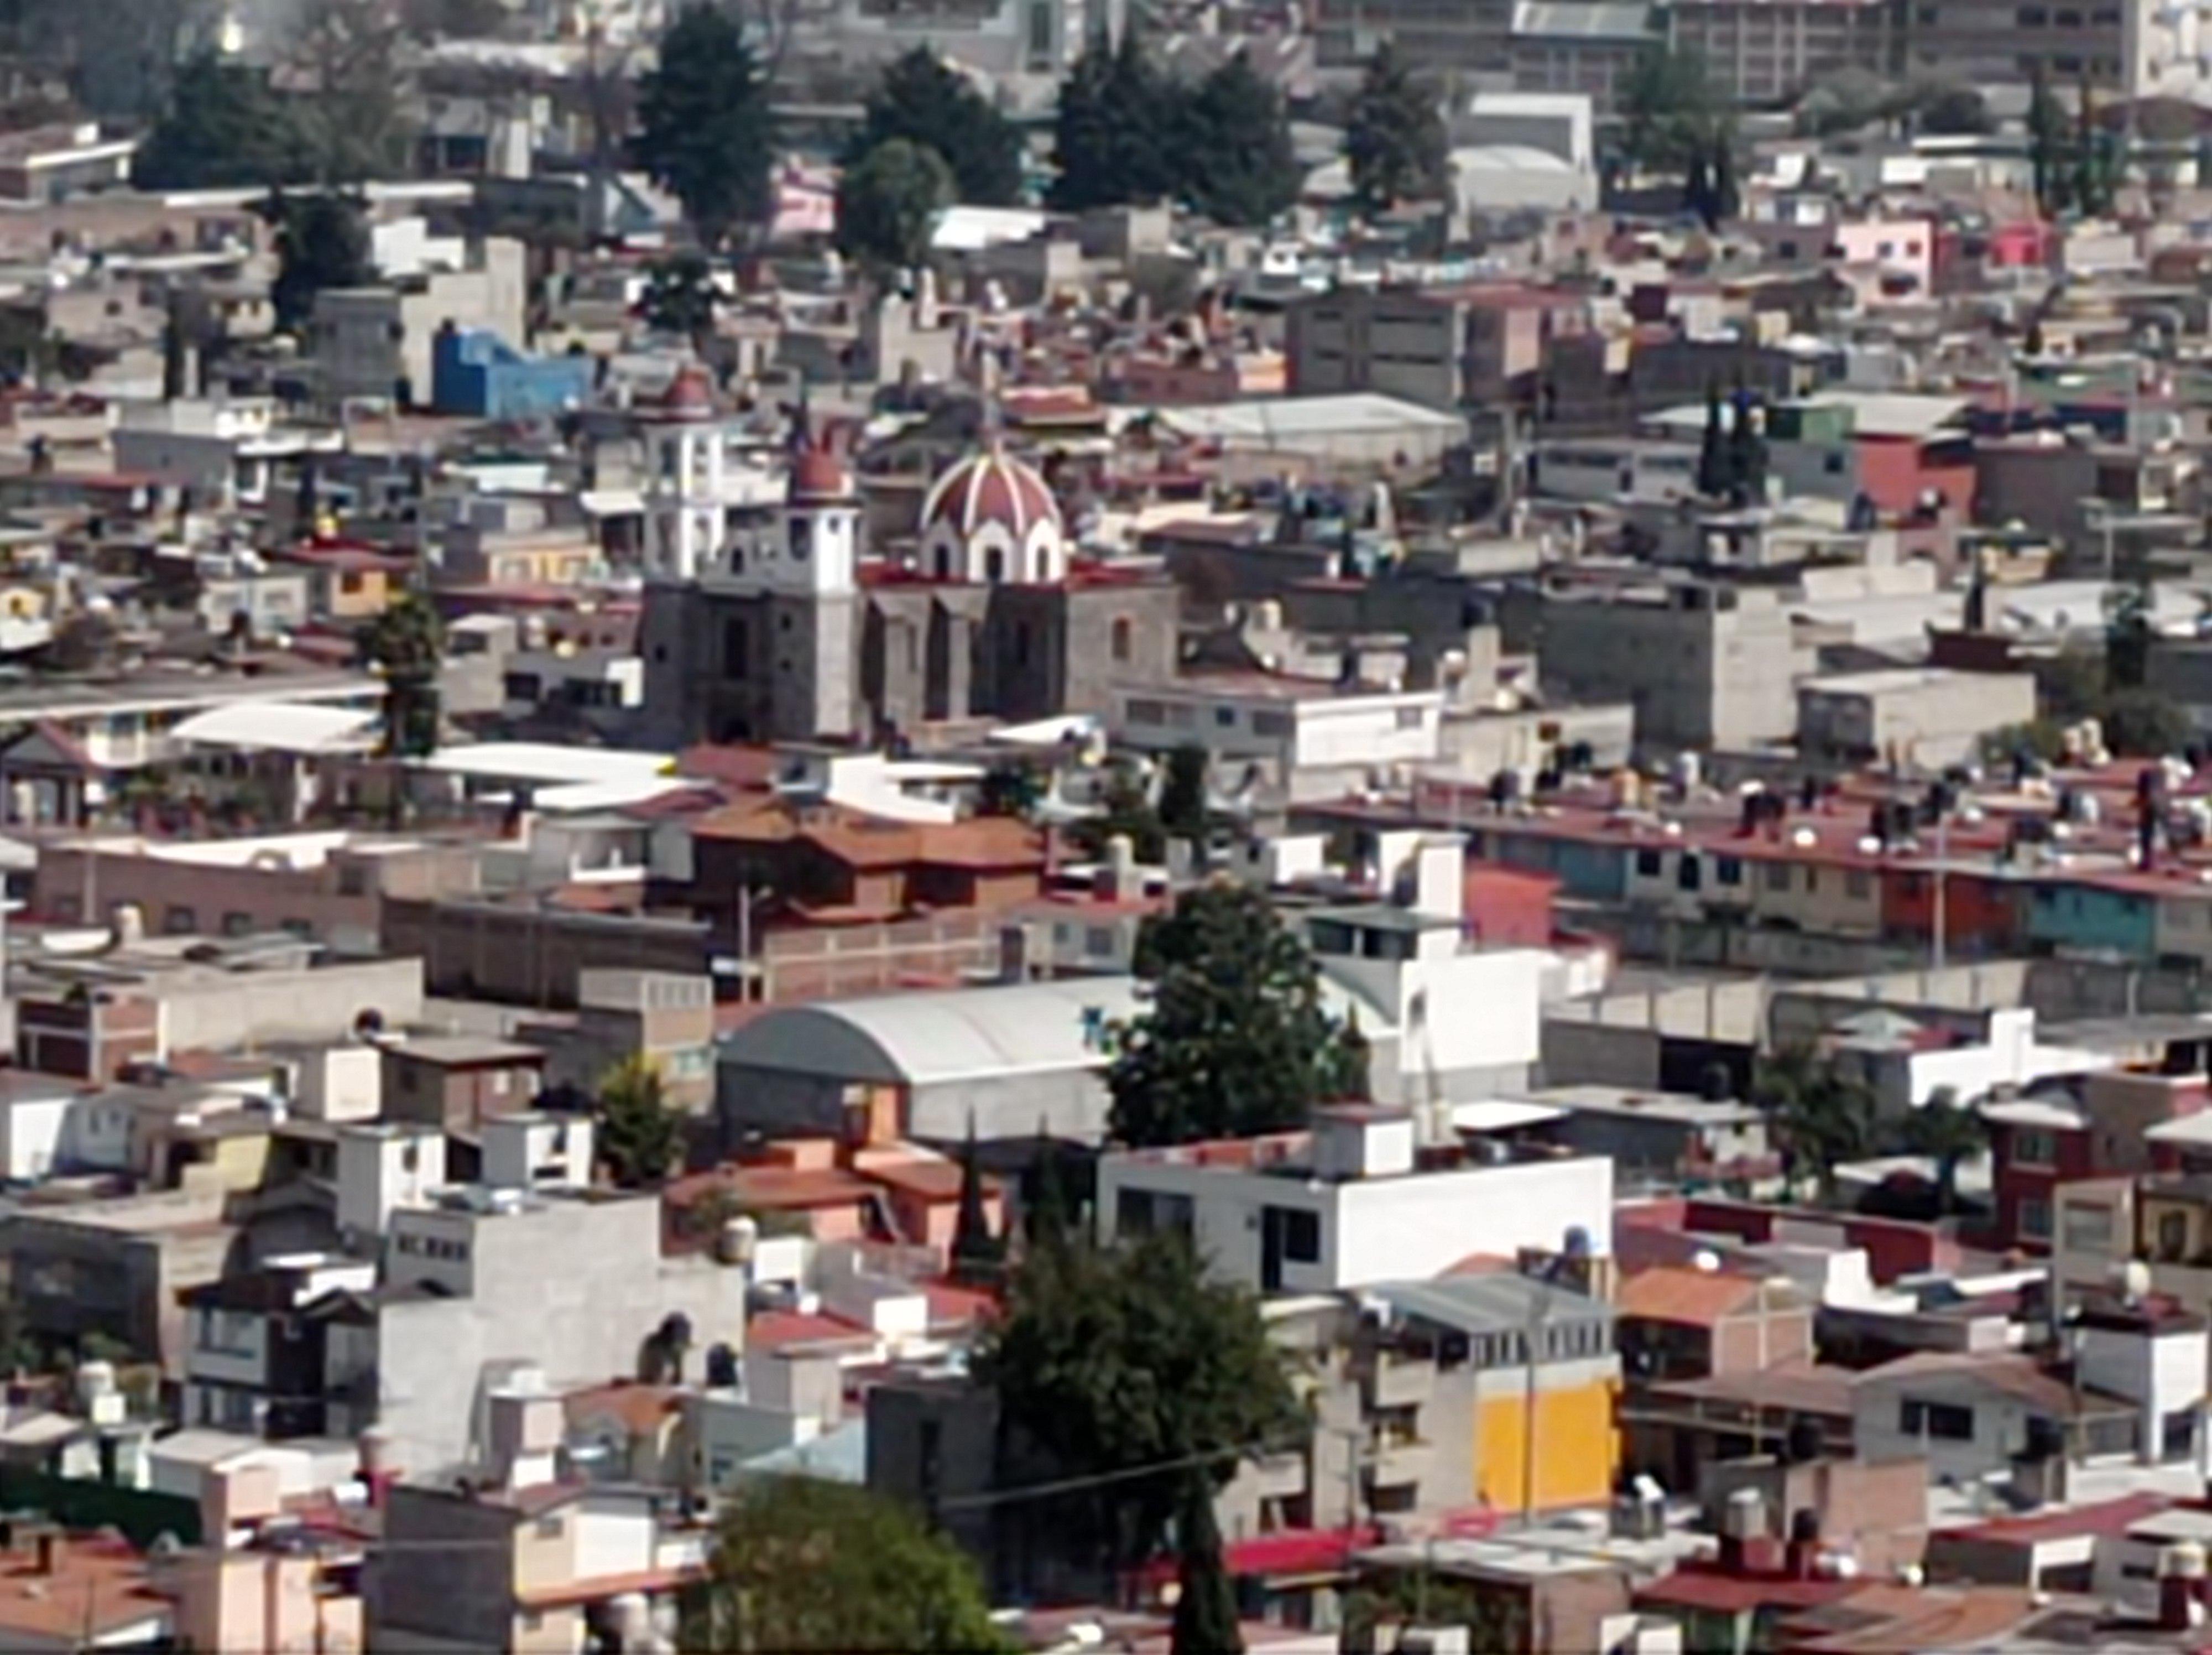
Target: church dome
992,517
689,395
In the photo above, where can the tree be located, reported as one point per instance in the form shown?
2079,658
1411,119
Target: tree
352,53
1712,448
432,20
2094,177
322,241
1125,811
1823,1117
1395,142
2142,723
681,297
977,1254
1205,1620
1183,812
1954,112
406,645
224,128
1242,169
1112,137
640,1137
705,130
1948,1132
1047,1214
921,99
1669,111
1233,1040
802,1564
888,203
1130,1366
2047,143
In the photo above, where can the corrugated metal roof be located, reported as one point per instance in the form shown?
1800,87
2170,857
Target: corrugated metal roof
1584,19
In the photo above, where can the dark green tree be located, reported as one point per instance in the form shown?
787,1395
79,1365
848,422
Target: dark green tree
406,645
640,1136
1233,1040
1047,1214
2127,636
1712,448
1130,1366
705,130
1125,811
810,1567
2048,142
977,1254
1241,167
680,297
887,203
1953,112
322,241
1947,1133
1395,143
1183,794
2142,723
1822,1117
1206,1620
354,126
923,101
1113,138
1669,112
2095,177
224,129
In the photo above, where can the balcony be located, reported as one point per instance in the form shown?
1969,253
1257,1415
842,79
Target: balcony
1278,1477
1399,1462
1394,1381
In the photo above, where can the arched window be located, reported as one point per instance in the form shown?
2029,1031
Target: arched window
1122,637
994,565
943,562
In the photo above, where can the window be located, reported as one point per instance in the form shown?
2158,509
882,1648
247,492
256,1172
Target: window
2032,1147
2035,1217
1121,635
1301,1235
1409,718
1271,724
1944,1420
736,650
2087,1229
1833,463
1225,717
181,921
994,565
235,924
1098,941
2173,1236
1858,884
549,1528
1728,870
1777,876
2033,16
1647,864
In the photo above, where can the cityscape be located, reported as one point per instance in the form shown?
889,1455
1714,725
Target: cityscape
1105,827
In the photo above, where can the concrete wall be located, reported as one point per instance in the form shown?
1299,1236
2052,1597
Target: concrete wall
223,1011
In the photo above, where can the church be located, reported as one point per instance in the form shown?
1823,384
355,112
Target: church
778,629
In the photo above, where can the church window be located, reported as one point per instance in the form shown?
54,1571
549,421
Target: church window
1122,637
994,565
736,650
802,538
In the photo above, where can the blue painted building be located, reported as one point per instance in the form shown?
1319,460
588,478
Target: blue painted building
2081,917
476,374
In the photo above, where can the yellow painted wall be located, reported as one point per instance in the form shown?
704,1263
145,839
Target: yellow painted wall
1577,1450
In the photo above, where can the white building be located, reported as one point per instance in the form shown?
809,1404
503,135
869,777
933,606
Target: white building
1296,738
1355,1201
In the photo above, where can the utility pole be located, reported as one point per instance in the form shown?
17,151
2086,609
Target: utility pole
1942,861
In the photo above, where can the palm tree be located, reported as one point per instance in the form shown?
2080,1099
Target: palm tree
1948,1132
1822,1115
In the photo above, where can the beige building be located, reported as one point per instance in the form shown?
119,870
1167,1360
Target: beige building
1766,51
1922,717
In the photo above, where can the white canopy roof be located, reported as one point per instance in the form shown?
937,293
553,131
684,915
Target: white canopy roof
281,727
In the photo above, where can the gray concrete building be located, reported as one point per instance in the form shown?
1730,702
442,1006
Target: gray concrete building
1703,666
1922,717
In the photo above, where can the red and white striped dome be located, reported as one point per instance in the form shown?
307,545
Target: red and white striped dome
992,517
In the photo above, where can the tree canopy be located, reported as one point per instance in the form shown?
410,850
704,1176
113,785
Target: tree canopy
705,130
1113,138
406,643
804,1564
353,54
921,99
1130,1364
887,203
224,128
322,241
1395,142
1669,111
640,1136
1822,1115
1233,1039
1241,169
680,297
